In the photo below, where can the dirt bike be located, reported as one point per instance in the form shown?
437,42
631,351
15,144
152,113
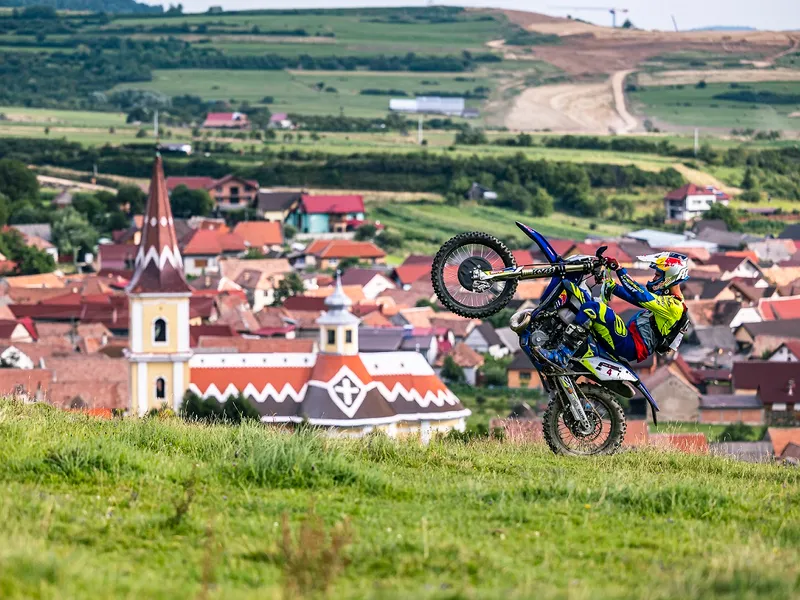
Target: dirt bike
475,275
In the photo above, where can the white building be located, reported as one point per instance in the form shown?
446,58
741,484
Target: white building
691,201
429,104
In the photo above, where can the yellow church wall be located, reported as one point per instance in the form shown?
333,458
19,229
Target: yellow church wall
348,348
167,310
154,371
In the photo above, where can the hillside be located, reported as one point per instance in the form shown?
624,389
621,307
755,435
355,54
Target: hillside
107,6
163,509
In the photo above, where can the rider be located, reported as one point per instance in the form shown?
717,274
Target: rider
652,329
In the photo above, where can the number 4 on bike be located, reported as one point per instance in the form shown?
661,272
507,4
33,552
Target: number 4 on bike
580,347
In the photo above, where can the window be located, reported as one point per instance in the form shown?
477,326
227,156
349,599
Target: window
331,336
525,376
201,263
348,336
161,389
160,331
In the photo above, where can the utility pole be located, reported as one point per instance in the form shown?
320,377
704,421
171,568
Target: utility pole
419,131
696,140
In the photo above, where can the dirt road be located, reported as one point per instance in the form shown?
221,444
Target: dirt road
574,107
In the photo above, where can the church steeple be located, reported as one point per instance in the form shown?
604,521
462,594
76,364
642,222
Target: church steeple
338,326
158,266
159,349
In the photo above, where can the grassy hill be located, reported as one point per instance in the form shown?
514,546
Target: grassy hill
164,509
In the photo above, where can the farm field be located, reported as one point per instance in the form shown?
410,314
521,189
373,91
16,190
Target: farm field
311,93
163,509
692,106
413,219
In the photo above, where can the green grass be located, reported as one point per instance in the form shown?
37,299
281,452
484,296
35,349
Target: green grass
162,509
298,92
426,225
691,106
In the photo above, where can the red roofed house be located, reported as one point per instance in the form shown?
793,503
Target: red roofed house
262,235
788,351
775,384
338,388
326,254
691,201
776,309
325,214
229,192
203,249
226,120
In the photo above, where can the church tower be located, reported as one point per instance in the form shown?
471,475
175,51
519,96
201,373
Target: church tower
159,309
338,327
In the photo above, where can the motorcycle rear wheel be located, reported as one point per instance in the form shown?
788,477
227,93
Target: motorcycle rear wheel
557,433
448,274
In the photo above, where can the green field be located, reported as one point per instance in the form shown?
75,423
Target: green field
305,93
414,220
162,509
692,106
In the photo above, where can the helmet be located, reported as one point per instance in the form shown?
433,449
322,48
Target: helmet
671,269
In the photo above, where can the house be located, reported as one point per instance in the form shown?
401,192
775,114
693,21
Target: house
229,192
509,338
480,192
12,331
791,232
203,249
735,266
280,121
708,290
466,358
677,398
275,206
258,278
781,438
226,120
775,384
372,281
413,269
779,309
726,240
788,351
115,257
522,373
747,333
325,214
63,199
484,340
691,201
263,236
327,254
723,409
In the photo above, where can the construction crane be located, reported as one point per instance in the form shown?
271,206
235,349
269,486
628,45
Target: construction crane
612,10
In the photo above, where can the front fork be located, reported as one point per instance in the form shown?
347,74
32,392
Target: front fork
565,382
575,404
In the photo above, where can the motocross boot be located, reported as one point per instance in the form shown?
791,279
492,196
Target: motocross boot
574,337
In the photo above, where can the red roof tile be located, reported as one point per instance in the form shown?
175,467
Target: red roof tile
408,274
344,249
193,183
691,189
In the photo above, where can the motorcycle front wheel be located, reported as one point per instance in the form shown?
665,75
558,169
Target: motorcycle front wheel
605,415
452,270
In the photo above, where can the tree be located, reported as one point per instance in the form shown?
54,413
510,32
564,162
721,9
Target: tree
17,181
627,24
451,371
188,203
365,231
390,240
749,181
720,211
471,137
701,84
289,231
73,234
233,411
622,209
29,260
289,286
133,197
5,209
347,263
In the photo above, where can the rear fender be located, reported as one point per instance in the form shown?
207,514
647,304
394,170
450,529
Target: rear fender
541,241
